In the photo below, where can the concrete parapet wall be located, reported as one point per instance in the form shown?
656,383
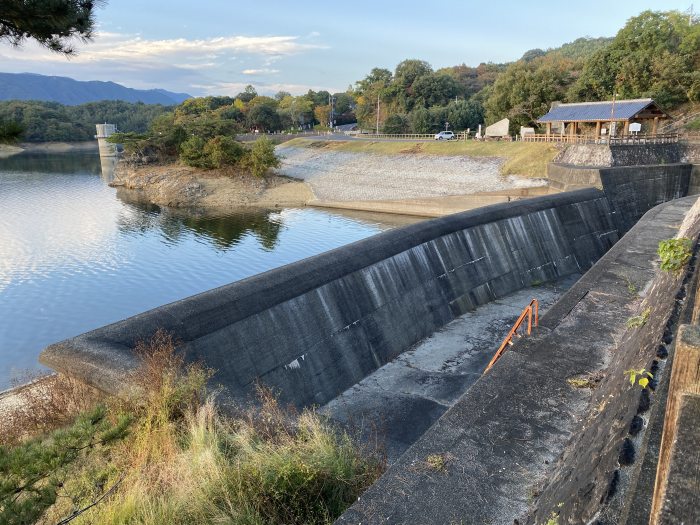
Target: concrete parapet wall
542,436
604,155
314,328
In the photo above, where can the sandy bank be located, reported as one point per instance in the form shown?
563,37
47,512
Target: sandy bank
350,176
7,150
182,186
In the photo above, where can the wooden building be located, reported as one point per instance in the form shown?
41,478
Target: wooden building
602,115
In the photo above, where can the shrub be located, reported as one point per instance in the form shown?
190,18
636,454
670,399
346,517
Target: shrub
223,151
262,157
674,253
192,153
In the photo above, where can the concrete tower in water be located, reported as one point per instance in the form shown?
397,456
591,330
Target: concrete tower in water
107,149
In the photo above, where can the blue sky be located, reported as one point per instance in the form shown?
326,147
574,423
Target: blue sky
218,47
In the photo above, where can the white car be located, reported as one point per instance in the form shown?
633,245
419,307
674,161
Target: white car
445,135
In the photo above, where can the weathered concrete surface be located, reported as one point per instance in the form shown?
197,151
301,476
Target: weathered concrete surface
400,400
567,177
643,187
634,190
604,155
316,327
523,443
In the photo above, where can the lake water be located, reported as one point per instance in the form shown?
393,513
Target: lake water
76,254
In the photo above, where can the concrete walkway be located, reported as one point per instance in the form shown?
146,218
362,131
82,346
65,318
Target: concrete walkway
402,399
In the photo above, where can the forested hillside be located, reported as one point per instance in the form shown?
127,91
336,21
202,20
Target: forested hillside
35,121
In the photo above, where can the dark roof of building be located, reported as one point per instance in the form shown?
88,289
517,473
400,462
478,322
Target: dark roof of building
595,111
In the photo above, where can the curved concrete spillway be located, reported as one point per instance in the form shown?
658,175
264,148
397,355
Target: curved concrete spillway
314,328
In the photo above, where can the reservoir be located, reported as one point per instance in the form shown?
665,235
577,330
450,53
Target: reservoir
76,254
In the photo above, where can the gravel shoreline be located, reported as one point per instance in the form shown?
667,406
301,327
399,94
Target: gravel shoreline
346,176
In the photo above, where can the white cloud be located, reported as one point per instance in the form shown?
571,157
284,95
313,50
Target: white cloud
263,88
117,46
262,71
178,64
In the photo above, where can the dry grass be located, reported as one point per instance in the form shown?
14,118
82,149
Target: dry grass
528,159
184,462
44,403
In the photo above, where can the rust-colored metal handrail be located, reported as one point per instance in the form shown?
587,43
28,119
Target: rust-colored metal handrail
530,310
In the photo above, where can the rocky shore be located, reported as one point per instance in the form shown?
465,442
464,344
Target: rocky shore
182,186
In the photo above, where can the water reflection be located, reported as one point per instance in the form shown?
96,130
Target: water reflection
107,165
224,231
74,163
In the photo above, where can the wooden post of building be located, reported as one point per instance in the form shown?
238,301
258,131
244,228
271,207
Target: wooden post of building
627,127
597,129
685,379
654,126
549,130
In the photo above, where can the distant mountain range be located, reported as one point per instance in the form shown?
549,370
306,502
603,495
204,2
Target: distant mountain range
30,86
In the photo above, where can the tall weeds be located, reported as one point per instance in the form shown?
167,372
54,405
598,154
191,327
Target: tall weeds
184,462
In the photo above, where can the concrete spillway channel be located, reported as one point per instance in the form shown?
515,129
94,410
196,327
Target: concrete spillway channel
402,399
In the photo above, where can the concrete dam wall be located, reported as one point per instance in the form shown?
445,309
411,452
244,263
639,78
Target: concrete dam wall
314,328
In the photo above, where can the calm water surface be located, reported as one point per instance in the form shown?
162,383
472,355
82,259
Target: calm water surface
76,254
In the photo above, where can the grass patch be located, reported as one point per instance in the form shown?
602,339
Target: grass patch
436,462
528,159
589,381
173,457
674,254
640,320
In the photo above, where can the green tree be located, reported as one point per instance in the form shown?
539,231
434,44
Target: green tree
656,54
525,90
263,117
51,23
396,124
10,131
247,94
406,74
463,114
434,89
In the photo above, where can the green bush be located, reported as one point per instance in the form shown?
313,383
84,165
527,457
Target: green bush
223,151
192,153
262,157
674,253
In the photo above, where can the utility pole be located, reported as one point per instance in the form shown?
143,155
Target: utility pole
612,116
331,101
377,113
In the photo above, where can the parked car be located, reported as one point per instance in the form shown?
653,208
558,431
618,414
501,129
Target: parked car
445,135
